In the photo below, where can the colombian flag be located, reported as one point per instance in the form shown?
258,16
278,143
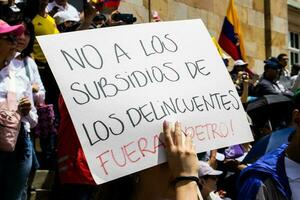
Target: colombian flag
231,39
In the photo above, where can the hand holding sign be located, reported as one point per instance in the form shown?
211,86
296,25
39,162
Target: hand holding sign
181,153
182,160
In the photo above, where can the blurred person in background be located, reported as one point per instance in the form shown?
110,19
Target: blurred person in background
269,83
75,179
295,78
15,166
58,8
25,48
44,24
66,22
239,66
208,180
11,11
276,174
284,76
241,79
62,6
24,62
99,20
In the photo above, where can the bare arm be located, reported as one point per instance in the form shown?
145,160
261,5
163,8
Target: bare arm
182,160
212,159
244,96
243,77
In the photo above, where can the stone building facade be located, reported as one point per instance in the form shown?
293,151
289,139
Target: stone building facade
268,25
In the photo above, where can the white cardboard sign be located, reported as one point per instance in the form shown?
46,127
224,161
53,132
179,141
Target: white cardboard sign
121,83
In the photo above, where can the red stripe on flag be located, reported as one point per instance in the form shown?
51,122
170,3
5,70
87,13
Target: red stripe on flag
229,47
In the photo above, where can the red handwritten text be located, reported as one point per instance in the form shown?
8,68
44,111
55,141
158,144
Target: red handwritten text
131,152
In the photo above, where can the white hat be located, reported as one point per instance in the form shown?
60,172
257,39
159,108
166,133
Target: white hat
205,169
240,63
63,16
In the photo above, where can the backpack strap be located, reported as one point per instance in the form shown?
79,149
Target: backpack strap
25,61
11,93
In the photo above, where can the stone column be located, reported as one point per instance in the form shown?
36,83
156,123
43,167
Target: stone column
276,27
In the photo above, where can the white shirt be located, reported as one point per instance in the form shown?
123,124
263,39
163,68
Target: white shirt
22,88
71,10
293,80
296,84
285,78
292,169
34,77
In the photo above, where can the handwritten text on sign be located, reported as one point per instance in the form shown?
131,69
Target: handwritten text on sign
121,83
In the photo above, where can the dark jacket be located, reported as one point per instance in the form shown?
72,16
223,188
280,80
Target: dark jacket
265,87
269,168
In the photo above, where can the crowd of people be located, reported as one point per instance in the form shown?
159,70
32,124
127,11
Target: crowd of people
267,168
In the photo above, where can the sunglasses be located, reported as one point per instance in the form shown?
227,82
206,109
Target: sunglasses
10,38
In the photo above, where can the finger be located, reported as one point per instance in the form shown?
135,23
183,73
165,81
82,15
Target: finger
189,142
172,131
194,148
178,134
167,134
25,104
24,99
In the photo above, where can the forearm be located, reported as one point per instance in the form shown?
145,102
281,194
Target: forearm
186,190
212,159
244,96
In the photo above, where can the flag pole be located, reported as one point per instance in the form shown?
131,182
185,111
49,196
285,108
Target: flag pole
149,11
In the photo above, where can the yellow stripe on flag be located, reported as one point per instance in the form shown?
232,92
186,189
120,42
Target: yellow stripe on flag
218,46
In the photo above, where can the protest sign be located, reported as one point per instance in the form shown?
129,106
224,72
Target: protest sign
121,83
